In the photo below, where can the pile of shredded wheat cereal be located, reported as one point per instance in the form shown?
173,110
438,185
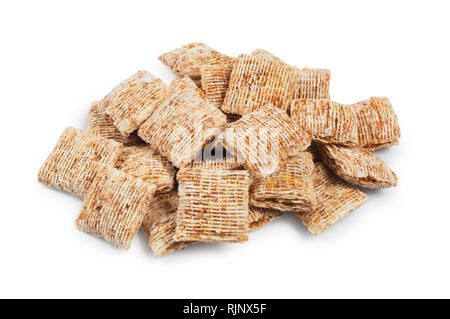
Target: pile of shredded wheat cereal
226,148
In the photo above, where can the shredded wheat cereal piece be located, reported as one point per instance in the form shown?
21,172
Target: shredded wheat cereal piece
328,122
145,163
312,84
256,82
100,125
264,139
357,166
215,79
377,123
261,216
213,205
187,60
159,225
335,199
73,163
115,206
130,103
309,83
183,124
291,188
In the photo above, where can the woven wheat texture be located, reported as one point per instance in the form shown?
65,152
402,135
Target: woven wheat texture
115,206
312,84
73,163
221,163
258,216
213,205
183,124
100,125
130,103
264,139
255,82
187,60
377,123
262,78
215,79
291,188
328,122
309,83
159,225
358,167
145,163
335,199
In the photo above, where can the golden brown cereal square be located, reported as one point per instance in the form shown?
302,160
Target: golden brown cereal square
357,166
131,102
264,139
115,206
100,125
145,163
328,122
262,78
183,124
215,79
159,225
255,82
377,123
187,60
73,163
309,83
335,199
291,188
213,205
312,84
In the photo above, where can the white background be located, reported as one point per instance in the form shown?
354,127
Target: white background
56,58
